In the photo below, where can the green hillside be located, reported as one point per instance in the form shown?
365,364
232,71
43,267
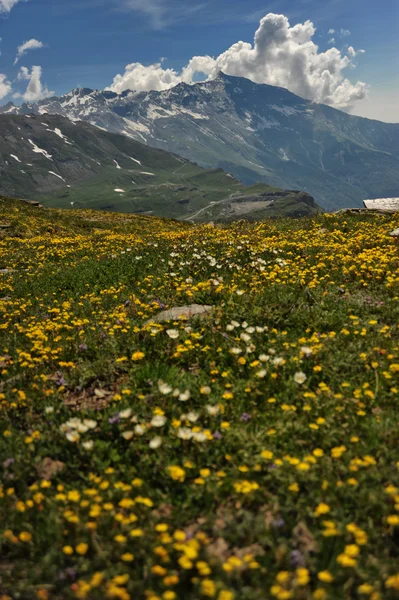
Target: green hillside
68,164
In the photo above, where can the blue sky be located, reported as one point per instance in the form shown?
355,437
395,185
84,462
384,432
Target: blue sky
86,43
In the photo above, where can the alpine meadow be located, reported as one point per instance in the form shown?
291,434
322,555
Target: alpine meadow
199,300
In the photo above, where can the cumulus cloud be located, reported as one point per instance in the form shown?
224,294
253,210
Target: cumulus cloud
281,55
7,5
26,47
35,90
5,86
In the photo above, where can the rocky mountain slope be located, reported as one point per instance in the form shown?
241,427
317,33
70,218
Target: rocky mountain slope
257,132
68,164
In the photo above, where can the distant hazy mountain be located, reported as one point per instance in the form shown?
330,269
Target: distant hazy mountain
64,163
257,132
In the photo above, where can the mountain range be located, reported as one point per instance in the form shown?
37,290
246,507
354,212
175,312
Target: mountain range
66,164
259,133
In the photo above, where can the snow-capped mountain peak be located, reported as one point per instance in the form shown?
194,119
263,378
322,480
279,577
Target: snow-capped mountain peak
258,132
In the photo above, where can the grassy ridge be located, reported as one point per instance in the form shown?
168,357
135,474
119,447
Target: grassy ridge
251,454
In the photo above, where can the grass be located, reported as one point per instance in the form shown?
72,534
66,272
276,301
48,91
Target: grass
247,455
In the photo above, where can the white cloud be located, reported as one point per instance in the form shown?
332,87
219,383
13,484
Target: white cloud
35,90
162,13
331,31
26,47
155,10
281,55
5,86
141,78
7,5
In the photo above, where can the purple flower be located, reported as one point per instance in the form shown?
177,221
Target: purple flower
217,435
60,379
82,347
278,522
114,419
161,304
297,559
8,462
127,303
245,417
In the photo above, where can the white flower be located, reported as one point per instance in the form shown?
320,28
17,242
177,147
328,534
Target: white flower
250,329
206,390
278,361
155,443
230,327
172,333
88,445
259,329
235,324
139,430
212,410
244,324
158,421
49,409
72,436
184,433
188,329
245,337
125,414
236,350
73,423
129,434
164,388
200,437
90,423
261,374
300,377
192,417
240,292
306,351
176,393
82,428
184,396
264,358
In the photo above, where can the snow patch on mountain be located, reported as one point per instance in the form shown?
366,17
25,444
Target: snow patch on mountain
40,150
56,175
60,135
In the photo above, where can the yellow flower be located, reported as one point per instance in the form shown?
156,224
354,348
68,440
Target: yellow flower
225,595
127,557
82,548
325,577
208,588
136,533
67,550
177,473
393,520
136,356
302,576
322,509
25,536
267,454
